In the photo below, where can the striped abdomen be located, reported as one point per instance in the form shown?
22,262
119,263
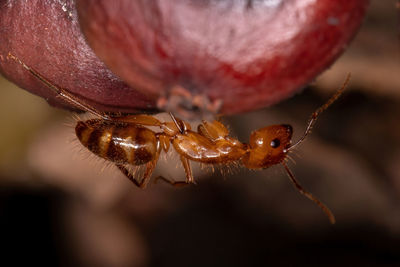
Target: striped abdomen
120,143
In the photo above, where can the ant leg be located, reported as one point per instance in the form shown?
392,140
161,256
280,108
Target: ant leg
128,174
180,129
164,142
307,194
188,170
213,130
147,175
68,97
150,166
141,119
176,126
171,182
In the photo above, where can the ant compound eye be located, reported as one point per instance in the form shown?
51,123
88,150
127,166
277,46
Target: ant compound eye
275,143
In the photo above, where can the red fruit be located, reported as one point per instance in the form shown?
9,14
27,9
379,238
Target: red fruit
249,54
47,37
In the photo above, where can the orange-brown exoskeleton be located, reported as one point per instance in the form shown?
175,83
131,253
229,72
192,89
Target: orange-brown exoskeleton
127,141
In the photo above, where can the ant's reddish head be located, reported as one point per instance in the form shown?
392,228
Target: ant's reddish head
268,146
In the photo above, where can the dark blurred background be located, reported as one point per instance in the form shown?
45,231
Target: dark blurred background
59,206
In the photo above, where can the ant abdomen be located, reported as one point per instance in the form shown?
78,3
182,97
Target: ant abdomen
118,142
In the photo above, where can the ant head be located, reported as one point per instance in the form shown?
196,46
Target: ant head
268,146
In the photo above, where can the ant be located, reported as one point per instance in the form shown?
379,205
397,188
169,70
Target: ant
127,141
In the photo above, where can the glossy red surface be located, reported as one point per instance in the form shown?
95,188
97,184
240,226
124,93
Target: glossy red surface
248,56
45,34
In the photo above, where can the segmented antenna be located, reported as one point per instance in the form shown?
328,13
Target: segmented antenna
315,115
307,194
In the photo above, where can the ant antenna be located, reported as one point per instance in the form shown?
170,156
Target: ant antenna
60,92
176,122
315,115
307,194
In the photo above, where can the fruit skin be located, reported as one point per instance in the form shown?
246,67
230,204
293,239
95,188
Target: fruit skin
247,55
248,58
45,34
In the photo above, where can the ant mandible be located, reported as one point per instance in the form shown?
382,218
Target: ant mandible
126,141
